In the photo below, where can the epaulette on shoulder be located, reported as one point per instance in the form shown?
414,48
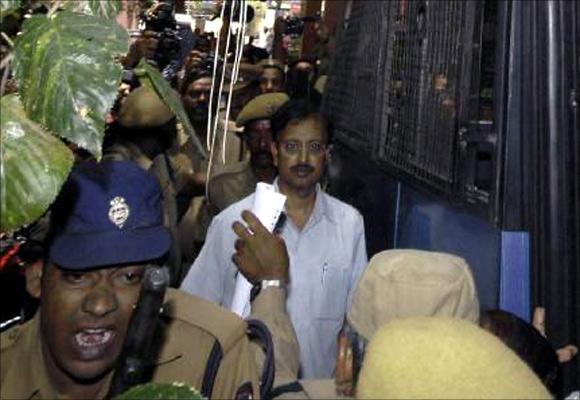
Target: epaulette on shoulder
222,324
11,331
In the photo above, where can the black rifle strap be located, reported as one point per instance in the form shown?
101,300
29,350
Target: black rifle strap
257,330
211,369
292,387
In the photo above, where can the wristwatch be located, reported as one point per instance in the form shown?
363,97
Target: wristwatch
266,283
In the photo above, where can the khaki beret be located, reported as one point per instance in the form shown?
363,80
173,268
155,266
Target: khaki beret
144,109
261,107
443,358
406,283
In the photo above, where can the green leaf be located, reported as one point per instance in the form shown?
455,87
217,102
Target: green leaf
162,391
7,6
151,77
33,166
67,74
100,8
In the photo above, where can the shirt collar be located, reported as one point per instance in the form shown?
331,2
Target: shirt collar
137,155
41,383
321,205
42,386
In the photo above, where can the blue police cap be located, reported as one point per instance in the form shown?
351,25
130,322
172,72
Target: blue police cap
108,213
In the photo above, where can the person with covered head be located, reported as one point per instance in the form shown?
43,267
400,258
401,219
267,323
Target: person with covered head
397,284
443,358
325,239
231,183
106,232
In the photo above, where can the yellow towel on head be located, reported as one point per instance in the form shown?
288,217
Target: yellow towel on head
443,358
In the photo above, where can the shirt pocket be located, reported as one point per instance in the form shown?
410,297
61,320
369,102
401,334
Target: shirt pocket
333,282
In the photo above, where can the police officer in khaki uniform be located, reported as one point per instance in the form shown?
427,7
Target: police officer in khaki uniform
144,131
231,183
106,228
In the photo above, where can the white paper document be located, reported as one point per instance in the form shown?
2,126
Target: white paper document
268,205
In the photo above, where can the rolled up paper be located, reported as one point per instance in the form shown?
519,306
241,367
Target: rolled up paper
268,205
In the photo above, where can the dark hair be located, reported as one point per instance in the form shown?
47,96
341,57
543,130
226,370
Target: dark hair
193,76
525,340
298,109
277,67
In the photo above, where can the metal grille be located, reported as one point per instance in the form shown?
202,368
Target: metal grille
424,41
351,91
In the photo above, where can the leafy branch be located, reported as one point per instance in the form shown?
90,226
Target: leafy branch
64,65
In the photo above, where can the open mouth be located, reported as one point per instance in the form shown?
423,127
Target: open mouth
93,343
88,338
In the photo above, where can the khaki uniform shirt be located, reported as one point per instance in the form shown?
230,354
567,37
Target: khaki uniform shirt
186,160
230,184
311,389
191,327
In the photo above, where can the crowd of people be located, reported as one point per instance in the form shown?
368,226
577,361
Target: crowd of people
407,324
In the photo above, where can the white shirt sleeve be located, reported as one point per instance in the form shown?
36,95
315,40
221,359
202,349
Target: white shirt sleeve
205,277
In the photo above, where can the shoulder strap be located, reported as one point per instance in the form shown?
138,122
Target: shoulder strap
5,325
258,331
292,387
211,369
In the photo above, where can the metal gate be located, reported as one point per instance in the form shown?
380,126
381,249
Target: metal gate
351,92
411,86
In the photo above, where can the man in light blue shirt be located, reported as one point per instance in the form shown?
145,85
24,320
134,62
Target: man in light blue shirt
324,237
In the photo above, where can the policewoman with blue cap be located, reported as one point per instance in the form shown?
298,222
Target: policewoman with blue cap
106,231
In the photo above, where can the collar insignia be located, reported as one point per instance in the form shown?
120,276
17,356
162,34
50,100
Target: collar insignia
119,211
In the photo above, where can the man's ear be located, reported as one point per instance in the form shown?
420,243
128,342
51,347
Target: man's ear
328,154
33,273
274,151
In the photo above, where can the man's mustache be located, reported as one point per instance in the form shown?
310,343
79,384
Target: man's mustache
302,168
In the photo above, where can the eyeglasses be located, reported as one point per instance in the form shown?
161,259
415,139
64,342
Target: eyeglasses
293,147
196,94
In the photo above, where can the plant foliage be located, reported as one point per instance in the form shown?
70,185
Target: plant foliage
33,166
161,391
67,75
100,8
65,65
152,78
7,6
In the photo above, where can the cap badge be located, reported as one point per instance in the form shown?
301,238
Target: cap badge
119,211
